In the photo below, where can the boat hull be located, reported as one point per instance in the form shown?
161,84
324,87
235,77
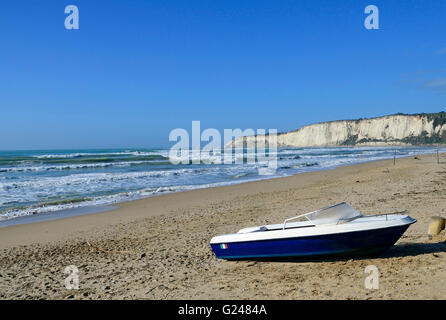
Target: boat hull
356,243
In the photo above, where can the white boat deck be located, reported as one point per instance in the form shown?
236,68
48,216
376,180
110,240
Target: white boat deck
307,229
307,224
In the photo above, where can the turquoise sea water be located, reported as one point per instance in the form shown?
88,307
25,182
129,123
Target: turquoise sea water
50,180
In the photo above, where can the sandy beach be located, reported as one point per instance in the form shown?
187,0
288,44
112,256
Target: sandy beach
158,248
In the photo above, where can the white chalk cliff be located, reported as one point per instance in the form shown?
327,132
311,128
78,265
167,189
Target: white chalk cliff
396,129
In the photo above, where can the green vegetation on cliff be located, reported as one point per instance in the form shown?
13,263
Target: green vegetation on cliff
438,119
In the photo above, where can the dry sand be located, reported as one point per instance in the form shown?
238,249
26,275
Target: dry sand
158,248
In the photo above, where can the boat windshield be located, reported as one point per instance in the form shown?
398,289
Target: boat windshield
337,213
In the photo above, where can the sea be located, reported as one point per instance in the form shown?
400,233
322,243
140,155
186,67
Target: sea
50,181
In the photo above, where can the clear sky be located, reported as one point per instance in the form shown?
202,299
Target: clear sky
135,70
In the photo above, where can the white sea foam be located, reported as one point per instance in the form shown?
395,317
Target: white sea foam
95,154
39,168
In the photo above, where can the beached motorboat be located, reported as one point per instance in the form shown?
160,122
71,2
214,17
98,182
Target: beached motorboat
337,230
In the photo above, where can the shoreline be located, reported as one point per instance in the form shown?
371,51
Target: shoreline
158,247
100,212
92,209
9,234
54,215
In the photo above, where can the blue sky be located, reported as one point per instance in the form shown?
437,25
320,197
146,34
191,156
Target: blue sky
135,70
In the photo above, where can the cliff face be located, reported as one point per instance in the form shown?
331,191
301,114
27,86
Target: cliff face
388,130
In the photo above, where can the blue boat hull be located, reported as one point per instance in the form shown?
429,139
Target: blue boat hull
358,243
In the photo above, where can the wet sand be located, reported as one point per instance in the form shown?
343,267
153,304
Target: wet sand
55,215
158,248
